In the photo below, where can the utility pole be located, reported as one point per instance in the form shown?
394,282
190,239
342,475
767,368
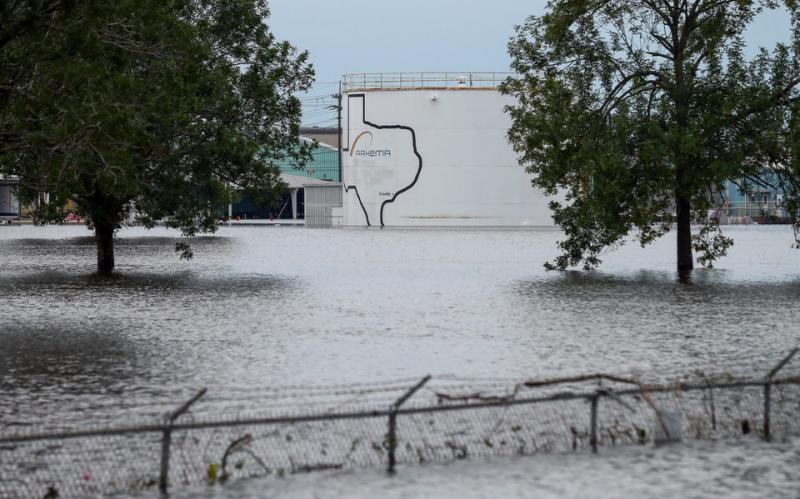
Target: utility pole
339,118
338,108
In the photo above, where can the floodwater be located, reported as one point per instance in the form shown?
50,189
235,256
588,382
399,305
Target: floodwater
742,469
263,307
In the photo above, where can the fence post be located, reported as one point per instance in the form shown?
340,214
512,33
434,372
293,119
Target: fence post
711,401
166,439
767,398
391,436
768,392
595,399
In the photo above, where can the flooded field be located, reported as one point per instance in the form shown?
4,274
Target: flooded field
263,307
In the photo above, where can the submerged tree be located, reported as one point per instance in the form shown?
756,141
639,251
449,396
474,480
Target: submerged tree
641,109
155,108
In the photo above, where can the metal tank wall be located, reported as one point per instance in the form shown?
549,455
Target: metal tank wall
434,157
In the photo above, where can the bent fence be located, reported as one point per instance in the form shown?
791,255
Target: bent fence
344,427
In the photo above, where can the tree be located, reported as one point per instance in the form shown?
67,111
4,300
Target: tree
156,107
641,109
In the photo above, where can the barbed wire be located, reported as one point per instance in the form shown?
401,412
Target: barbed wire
282,430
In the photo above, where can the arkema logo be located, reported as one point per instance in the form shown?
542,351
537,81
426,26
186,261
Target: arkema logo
369,152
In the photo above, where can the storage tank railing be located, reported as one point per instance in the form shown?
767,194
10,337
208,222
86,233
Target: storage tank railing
390,81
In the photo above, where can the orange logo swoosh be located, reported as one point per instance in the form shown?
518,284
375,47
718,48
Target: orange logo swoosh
353,147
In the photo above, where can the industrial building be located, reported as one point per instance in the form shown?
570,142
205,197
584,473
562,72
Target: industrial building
321,169
324,135
9,204
746,201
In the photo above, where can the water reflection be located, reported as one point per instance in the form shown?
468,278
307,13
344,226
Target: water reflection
31,244
78,346
647,321
131,281
62,351
76,255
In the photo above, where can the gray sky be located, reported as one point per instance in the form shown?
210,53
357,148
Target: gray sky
366,36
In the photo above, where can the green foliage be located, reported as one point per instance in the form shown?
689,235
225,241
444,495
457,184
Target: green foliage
155,106
212,473
710,244
631,108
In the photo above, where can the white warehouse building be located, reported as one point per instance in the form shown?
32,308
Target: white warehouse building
428,149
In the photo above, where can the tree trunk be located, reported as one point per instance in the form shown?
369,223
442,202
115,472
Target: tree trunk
684,212
104,236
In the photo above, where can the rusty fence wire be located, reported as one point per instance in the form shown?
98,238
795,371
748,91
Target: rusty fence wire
304,429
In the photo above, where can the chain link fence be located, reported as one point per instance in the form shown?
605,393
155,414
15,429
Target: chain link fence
313,428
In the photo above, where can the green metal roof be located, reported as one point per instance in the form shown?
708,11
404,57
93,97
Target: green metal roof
324,165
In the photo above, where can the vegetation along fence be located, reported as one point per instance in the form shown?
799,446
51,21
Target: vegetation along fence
314,428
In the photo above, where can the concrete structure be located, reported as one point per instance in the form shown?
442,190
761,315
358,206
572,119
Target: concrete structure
429,149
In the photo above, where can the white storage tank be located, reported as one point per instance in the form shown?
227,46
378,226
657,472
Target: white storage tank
430,149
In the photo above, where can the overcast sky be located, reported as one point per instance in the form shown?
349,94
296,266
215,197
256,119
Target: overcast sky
366,36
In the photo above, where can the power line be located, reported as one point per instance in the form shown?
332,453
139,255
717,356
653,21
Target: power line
329,120
316,97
